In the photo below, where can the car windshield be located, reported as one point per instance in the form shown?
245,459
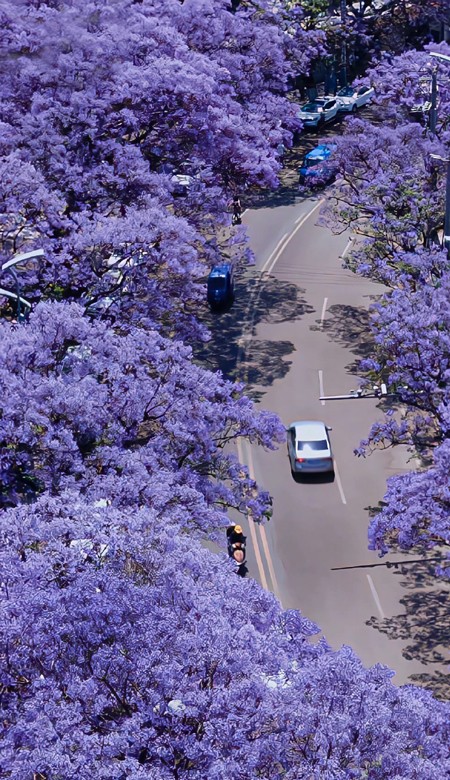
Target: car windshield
309,162
321,444
310,107
217,283
345,92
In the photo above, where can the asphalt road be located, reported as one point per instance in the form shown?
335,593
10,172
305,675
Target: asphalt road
305,324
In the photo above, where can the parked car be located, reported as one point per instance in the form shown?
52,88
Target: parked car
351,98
309,447
319,111
182,179
220,287
318,167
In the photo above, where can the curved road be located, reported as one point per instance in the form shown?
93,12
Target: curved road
305,324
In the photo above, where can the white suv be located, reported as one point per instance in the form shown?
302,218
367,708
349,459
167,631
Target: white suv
319,111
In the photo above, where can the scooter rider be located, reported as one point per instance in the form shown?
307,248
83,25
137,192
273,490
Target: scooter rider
237,210
235,535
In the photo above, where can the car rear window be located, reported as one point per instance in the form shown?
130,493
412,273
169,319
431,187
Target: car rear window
217,283
321,444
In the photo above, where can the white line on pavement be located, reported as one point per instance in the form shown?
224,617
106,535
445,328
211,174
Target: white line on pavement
273,576
274,252
339,483
375,595
321,392
277,252
251,525
350,242
259,561
324,308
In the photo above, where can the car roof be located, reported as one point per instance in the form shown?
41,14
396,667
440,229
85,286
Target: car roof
321,151
311,430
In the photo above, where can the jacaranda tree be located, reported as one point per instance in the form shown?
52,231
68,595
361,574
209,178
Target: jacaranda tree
87,408
127,649
102,105
127,654
391,195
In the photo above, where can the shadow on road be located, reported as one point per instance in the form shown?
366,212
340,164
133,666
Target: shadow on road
288,191
349,326
233,347
424,626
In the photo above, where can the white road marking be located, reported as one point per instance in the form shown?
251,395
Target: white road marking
324,308
273,576
375,595
259,561
262,531
339,483
321,392
277,252
350,242
274,252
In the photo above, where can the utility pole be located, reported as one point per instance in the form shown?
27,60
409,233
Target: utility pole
445,58
447,211
343,44
433,109
446,241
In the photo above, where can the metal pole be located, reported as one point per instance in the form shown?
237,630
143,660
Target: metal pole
433,110
344,44
14,275
12,271
447,212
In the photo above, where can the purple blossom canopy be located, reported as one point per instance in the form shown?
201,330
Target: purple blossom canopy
127,654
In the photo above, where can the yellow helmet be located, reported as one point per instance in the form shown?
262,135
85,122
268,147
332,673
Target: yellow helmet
237,529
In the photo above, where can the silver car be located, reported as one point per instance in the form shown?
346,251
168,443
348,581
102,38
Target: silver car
309,447
351,98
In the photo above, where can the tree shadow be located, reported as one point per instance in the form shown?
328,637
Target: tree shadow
349,326
287,194
288,191
424,626
234,347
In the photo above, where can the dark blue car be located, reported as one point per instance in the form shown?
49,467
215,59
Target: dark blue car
220,289
318,167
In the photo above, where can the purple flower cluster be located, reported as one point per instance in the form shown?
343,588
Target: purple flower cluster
391,192
128,649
